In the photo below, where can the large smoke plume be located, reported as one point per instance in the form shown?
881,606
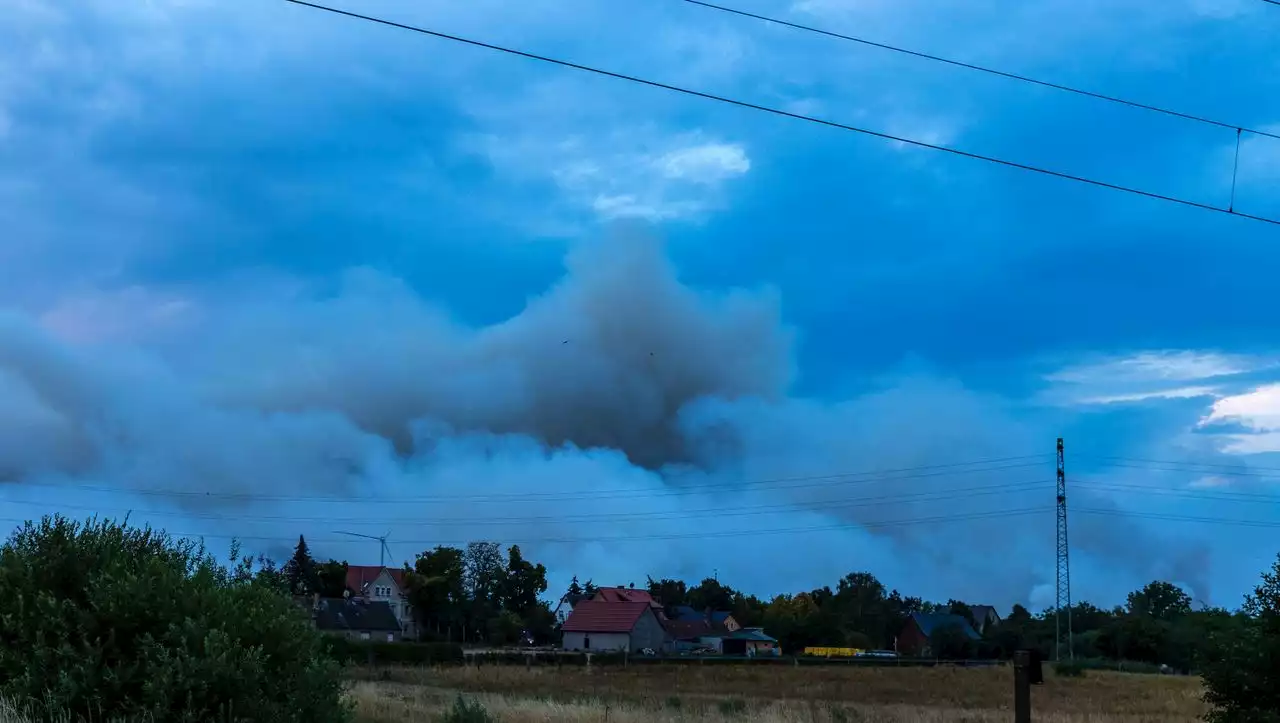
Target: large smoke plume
618,418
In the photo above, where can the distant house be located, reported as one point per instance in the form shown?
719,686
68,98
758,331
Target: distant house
984,617
356,619
715,618
566,605
375,583
915,637
601,625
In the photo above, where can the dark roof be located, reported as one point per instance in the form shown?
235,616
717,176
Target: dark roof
688,629
338,614
597,616
360,576
751,634
982,612
928,622
685,612
623,594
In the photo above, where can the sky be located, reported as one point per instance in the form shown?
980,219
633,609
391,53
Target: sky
268,271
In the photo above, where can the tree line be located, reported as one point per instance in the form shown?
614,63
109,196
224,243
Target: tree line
481,594
469,595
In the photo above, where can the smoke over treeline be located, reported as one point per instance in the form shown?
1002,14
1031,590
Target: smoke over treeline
622,422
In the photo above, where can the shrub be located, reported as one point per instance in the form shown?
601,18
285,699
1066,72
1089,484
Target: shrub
1243,686
466,711
102,621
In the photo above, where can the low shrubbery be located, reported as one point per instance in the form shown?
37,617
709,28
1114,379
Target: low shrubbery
102,621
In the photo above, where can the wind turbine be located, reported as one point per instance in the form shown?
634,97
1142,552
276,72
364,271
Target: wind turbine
383,551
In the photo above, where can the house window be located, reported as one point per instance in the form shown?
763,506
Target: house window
364,636
391,638
586,642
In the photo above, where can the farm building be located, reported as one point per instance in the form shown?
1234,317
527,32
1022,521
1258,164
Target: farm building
598,625
749,641
920,627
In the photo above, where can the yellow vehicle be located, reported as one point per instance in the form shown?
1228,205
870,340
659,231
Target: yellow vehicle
833,652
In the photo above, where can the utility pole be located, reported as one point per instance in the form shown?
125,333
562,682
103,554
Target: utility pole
1062,603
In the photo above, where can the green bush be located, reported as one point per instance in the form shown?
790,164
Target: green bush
466,711
102,621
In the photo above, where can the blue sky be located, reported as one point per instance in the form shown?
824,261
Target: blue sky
258,257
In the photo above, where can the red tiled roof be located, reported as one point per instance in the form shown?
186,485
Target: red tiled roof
599,616
622,594
358,576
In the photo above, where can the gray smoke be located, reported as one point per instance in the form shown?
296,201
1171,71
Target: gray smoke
621,410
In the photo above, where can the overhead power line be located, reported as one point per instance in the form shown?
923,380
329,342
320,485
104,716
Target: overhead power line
1181,494
774,484
1234,522
1181,463
744,532
1230,211
813,506
984,69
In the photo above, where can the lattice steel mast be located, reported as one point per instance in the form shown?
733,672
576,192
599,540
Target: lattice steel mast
1062,604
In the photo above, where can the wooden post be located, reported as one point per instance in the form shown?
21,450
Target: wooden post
1022,686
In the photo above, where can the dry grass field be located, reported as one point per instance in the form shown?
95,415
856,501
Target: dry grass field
662,694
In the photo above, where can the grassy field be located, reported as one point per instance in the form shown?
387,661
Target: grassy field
656,694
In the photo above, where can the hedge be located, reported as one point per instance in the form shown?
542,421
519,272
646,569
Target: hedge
376,652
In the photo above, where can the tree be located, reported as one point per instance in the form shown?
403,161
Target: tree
436,591
505,628
482,579
1243,685
710,594
575,590
861,606
669,592
1160,600
300,570
102,621
333,578
522,583
590,589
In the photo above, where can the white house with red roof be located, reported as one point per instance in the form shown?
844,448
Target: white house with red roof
605,625
383,584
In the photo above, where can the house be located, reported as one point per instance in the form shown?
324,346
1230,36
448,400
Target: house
600,625
751,642
375,583
920,627
356,619
984,618
566,605
716,618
